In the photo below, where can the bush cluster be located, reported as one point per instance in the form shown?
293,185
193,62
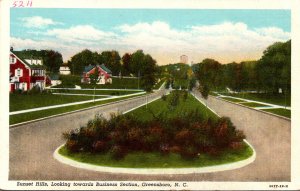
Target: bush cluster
185,135
33,91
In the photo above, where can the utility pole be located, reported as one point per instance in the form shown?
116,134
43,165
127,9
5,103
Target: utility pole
139,80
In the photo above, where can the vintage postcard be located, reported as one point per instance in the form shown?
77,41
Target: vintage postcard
150,95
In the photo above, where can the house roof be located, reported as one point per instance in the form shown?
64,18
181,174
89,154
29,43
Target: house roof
105,69
102,66
88,68
16,53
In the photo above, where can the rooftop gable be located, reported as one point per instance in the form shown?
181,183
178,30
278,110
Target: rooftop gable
23,60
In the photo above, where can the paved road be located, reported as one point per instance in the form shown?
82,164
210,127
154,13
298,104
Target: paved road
32,147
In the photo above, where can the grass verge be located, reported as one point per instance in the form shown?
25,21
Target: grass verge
253,104
231,99
14,119
278,99
280,111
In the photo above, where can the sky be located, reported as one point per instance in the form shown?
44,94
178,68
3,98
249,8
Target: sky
165,34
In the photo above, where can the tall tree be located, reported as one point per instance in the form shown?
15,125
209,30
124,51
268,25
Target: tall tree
82,59
112,60
126,59
274,68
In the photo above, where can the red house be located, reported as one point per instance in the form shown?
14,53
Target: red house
104,74
26,73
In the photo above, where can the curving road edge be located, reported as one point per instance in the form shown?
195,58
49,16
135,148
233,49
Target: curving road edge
155,171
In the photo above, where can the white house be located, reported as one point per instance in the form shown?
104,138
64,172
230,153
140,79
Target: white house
64,70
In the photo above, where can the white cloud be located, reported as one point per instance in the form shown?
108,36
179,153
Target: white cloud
273,31
37,22
225,42
84,34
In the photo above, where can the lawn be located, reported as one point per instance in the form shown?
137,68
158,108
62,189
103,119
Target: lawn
157,160
69,81
183,83
160,106
18,118
97,92
139,159
278,99
118,83
25,101
279,111
231,99
253,104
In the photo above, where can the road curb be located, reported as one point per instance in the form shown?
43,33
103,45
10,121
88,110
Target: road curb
156,171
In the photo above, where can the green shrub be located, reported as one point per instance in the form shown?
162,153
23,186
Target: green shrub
72,146
99,146
187,134
118,152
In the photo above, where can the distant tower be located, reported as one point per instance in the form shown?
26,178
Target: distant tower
183,59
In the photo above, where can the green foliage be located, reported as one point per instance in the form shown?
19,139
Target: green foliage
82,59
274,68
50,58
119,83
204,90
173,100
271,72
126,60
94,77
192,84
112,60
185,134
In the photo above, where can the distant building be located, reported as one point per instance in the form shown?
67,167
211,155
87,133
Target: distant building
54,80
64,70
104,74
184,59
25,73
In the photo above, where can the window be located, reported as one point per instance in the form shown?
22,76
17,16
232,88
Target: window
19,72
12,60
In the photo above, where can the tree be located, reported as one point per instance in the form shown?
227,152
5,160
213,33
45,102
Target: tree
148,73
204,90
112,60
126,63
53,60
209,72
274,68
94,77
135,66
82,59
